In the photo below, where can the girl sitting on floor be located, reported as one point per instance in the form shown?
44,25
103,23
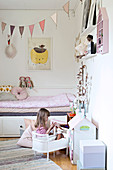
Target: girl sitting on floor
42,121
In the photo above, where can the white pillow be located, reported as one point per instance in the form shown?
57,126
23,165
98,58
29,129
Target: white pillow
7,97
26,138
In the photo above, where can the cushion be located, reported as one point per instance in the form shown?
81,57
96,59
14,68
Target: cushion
5,88
30,122
26,138
7,96
19,92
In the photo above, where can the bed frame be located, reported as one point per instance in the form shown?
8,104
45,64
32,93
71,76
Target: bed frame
10,125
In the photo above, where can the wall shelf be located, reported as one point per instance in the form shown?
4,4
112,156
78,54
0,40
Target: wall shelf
88,30
88,56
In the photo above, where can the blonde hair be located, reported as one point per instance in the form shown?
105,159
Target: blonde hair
41,117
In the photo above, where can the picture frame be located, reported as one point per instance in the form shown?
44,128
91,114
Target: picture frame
85,15
92,14
99,5
40,53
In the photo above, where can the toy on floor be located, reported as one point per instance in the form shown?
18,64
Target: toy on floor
45,143
42,141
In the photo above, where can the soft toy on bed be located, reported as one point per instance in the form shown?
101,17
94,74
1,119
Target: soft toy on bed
29,83
22,82
19,92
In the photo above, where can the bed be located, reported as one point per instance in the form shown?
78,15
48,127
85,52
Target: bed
12,113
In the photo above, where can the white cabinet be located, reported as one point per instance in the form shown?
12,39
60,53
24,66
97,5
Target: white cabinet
10,125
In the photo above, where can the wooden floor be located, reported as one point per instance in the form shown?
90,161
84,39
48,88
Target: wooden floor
60,158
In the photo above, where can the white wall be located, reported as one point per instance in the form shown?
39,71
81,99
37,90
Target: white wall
62,74
101,70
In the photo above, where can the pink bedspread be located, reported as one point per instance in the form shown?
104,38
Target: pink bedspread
61,100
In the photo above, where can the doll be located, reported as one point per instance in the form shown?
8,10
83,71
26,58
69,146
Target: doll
29,82
22,82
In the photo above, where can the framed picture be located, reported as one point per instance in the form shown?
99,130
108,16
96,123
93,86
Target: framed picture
99,5
92,14
86,10
39,53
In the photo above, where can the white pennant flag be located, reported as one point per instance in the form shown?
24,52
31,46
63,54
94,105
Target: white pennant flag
66,8
54,18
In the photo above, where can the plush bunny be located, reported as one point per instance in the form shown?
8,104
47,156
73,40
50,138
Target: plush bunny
22,82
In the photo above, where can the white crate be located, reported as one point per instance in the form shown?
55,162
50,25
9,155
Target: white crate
92,154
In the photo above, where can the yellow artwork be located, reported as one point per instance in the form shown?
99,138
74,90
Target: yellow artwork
39,53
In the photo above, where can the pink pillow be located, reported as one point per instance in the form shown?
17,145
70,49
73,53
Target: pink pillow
19,92
26,138
30,122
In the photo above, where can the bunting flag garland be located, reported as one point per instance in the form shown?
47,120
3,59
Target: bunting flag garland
66,8
42,24
31,27
3,26
21,29
54,18
12,27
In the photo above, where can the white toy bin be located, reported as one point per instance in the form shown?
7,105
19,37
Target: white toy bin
92,154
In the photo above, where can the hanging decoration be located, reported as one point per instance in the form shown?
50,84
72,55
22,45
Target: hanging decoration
3,26
10,50
42,25
21,29
31,27
54,18
12,27
66,8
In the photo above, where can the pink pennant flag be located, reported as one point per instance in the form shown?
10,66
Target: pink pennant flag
21,29
31,27
12,29
42,24
54,18
3,26
66,8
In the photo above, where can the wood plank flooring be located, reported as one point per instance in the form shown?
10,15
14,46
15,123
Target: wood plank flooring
60,158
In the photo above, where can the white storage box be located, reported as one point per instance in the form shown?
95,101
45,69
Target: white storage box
79,167
92,154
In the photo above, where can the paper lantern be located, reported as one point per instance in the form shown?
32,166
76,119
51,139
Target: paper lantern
10,51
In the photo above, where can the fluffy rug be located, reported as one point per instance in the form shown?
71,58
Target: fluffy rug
13,157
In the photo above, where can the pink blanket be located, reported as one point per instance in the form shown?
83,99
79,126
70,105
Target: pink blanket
61,100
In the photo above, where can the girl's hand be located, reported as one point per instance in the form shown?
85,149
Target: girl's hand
50,128
52,125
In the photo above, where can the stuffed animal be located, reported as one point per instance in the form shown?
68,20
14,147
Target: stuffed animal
10,50
22,82
29,83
